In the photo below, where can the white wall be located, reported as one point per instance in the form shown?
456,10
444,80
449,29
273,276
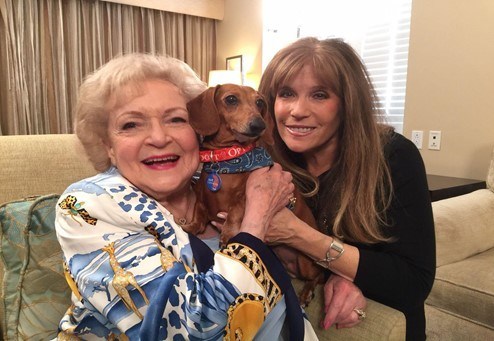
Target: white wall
241,33
450,83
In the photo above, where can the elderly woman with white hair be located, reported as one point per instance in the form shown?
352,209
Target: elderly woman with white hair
134,270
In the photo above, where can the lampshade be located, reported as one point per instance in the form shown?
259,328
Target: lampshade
224,76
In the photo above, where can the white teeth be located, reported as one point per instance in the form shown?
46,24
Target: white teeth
299,130
164,159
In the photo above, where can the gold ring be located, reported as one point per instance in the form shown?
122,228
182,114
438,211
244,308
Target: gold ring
361,314
291,203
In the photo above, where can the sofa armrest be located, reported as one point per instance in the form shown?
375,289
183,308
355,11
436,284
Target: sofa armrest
381,323
463,226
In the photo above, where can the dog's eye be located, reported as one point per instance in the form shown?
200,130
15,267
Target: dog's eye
260,104
231,100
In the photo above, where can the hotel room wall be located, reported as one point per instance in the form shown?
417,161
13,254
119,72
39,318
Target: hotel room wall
450,76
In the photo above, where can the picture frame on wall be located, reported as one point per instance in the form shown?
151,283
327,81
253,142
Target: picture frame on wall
234,63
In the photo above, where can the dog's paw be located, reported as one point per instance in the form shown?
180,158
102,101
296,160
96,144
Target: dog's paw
193,228
306,295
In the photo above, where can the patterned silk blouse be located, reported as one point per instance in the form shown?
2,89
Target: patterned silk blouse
136,274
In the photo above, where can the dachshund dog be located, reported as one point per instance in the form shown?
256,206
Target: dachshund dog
234,123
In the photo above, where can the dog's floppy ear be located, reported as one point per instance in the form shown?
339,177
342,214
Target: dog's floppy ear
203,113
267,136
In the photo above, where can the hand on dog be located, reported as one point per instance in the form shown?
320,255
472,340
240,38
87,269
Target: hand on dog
341,296
282,227
287,256
267,191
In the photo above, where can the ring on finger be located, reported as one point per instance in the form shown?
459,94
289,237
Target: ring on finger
361,314
291,202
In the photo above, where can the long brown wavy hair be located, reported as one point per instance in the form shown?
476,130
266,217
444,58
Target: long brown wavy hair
354,195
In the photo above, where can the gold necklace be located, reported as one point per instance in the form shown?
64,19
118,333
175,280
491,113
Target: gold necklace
183,220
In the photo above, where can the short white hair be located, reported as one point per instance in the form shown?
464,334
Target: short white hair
91,115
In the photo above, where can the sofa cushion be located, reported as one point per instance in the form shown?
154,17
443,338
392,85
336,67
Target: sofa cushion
465,289
464,226
381,323
34,293
442,326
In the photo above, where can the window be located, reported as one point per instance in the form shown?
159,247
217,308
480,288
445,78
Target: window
378,30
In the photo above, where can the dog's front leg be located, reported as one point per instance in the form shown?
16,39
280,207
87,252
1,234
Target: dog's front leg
231,226
200,215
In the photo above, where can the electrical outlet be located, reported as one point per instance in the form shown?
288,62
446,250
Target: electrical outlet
435,139
417,138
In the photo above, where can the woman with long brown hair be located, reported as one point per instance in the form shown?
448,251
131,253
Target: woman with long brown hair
365,183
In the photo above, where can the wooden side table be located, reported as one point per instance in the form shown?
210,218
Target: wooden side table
443,187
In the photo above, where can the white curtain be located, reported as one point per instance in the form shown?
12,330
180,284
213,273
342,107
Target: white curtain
47,47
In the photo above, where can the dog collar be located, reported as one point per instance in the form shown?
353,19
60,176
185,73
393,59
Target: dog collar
224,154
246,162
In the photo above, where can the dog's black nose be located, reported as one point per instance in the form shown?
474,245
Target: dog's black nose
257,126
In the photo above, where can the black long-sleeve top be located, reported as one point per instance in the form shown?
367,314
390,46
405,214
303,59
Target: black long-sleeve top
400,274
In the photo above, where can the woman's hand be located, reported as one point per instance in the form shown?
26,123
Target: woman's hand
268,190
341,297
282,227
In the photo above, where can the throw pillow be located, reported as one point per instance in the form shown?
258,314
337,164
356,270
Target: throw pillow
34,292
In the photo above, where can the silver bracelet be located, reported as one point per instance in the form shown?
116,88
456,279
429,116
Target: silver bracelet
336,245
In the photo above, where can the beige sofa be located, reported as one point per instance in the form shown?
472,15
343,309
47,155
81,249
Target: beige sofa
34,294
461,303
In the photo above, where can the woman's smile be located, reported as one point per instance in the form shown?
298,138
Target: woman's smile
162,161
307,114
298,130
151,141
